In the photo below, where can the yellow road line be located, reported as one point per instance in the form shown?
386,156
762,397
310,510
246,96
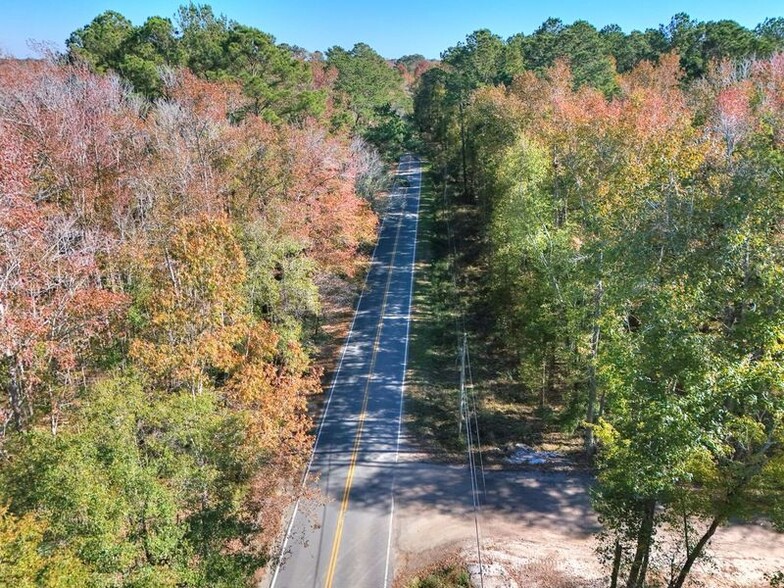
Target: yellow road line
333,560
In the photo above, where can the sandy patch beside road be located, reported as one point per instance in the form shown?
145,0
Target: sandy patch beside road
539,526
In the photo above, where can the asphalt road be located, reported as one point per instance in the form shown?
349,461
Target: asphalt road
346,540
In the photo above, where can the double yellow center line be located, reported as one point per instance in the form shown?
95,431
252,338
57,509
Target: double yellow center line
333,560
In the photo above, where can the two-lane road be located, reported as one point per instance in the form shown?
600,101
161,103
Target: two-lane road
358,441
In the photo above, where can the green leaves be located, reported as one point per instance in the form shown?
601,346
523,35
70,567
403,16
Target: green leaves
368,88
278,85
280,279
166,265
100,43
483,59
580,44
27,559
140,488
635,264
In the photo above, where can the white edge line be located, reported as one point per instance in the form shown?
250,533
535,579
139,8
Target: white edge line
403,385
329,398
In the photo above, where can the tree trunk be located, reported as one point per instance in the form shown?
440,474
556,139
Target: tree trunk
590,416
551,367
644,568
602,405
616,564
172,273
15,393
463,154
640,563
559,206
692,556
746,278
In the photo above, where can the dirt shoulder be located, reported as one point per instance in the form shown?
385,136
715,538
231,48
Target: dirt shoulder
538,527
435,513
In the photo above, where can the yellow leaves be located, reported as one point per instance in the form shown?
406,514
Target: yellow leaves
252,386
605,433
25,560
746,431
198,306
220,347
206,266
703,468
202,335
520,169
20,538
157,361
773,470
273,394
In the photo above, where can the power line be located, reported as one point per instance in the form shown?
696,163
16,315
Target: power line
468,413
476,418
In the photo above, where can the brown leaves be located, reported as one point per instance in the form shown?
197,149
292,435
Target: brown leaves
53,307
74,125
733,113
124,229
201,334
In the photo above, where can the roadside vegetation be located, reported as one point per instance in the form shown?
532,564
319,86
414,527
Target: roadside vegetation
182,211
449,572
449,298
628,216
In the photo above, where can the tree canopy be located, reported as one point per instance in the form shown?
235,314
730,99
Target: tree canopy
631,222
181,200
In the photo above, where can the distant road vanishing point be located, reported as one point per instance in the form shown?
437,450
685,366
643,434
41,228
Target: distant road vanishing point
358,440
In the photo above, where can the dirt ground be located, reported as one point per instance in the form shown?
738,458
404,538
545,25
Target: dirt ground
536,529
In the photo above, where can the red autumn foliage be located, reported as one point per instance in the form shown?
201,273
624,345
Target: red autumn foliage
53,306
733,113
301,181
96,183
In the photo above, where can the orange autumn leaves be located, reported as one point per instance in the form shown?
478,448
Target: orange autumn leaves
635,251
159,264
201,333
123,225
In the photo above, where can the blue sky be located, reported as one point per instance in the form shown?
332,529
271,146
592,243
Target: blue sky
392,28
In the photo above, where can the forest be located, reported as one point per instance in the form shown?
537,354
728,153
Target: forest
629,197
169,232
181,200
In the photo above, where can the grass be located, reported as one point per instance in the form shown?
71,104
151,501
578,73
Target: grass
433,403
450,296
449,572
449,577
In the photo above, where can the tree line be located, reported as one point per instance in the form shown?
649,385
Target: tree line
630,190
353,90
177,204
